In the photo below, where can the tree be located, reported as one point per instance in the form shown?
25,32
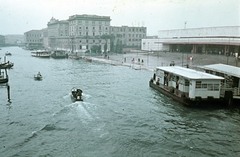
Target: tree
111,45
106,37
95,48
119,46
105,47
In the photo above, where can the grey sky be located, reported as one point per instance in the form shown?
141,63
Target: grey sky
19,16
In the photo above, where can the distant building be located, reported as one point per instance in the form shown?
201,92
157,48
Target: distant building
2,40
85,33
79,33
34,39
128,37
216,40
58,34
14,39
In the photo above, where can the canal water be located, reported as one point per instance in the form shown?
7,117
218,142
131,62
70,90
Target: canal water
120,115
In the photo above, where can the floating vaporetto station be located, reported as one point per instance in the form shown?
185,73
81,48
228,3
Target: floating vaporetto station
187,86
231,83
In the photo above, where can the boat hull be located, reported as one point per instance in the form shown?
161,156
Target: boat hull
6,65
38,78
76,94
5,80
187,101
59,54
76,98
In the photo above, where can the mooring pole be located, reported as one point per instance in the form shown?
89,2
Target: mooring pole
8,91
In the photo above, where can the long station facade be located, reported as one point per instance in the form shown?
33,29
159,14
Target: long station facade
213,40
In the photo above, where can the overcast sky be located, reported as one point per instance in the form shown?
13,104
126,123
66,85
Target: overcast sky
19,16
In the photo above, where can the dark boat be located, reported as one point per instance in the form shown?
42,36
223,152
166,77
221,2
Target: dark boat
38,76
76,94
8,54
59,54
6,65
3,76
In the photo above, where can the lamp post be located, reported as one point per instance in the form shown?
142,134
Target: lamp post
228,50
182,56
185,24
158,47
148,54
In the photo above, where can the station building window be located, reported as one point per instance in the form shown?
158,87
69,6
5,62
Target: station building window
198,84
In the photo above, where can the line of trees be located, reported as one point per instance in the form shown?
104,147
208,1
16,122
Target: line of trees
117,48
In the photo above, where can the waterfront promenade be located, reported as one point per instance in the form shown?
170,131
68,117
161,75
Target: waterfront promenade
152,60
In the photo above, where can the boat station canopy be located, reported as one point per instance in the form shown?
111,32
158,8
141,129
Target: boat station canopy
223,68
189,73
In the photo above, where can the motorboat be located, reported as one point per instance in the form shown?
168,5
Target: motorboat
38,76
76,94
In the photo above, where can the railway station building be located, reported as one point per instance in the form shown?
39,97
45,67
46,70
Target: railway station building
208,40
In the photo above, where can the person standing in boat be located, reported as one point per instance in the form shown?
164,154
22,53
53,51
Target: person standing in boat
158,81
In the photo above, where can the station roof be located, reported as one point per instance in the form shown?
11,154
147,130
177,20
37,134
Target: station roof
223,68
189,73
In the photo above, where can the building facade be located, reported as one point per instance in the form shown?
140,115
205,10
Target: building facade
79,33
34,39
58,34
84,33
215,40
128,36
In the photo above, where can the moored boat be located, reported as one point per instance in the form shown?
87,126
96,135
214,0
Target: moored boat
6,65
187,86
59,54
74,56
88,59
41,53
3,76
231,82
8,54
76,94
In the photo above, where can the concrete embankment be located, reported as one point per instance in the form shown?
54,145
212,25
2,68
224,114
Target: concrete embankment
149,61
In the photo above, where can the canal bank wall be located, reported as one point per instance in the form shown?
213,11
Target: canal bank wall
149,61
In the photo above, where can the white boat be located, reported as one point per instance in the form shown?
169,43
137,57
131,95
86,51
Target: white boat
74,56
41,53
187,86
88,59
231,83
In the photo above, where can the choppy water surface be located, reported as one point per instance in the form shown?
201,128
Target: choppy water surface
120,114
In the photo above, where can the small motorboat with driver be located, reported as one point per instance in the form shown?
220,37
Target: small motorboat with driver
76,94
38,76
